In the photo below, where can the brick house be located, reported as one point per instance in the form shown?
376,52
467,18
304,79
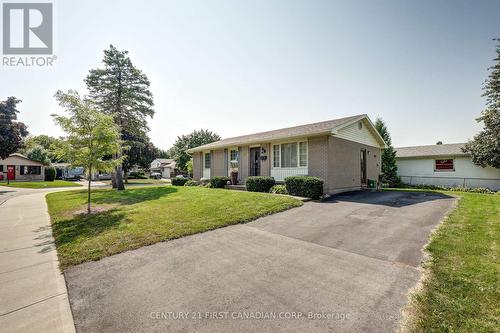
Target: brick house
344,152
19,167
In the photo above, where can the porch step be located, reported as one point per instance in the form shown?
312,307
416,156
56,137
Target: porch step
236,187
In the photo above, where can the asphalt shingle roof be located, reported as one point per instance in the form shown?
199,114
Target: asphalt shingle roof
290,132
451,149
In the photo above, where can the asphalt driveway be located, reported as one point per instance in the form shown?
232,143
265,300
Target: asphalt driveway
343,265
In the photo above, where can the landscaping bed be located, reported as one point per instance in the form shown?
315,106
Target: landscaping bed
141,216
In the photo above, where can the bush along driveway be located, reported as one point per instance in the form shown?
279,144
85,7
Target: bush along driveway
125,220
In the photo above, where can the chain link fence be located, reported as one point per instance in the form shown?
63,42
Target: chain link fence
490,183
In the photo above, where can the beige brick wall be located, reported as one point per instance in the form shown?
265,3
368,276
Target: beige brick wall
243,168
344,164
318,157
197,166
218,166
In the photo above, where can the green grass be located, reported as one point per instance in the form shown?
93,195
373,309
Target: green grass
148,181
146,215
461,292
40,184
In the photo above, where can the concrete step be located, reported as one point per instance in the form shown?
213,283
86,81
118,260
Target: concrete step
236,187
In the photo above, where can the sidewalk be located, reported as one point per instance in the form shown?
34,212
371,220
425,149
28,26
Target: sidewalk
33,296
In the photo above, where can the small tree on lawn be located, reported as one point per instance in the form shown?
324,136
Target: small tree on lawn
389,167
92,137
485,147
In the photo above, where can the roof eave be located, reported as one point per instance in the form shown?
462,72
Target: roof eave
253,142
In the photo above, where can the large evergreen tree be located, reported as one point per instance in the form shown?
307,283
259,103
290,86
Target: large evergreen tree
485,147
184,142
12,132
122,91
389,167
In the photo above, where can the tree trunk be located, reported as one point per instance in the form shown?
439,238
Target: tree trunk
119,178
113,179
113,174
88,194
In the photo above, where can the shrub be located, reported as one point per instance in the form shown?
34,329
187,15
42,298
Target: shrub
481,190
179,181
278,189
137,175
204,181
304,186
218,182
50,174
259,183
191,183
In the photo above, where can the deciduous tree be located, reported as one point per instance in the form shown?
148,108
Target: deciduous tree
185,142
485,147
12,132
92,137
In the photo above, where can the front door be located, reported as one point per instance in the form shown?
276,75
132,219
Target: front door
11,172
363,166
255,161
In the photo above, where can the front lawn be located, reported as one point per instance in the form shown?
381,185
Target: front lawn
40,184
145,215
147,181
461,290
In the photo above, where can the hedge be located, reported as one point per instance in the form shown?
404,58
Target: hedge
179,181
219,182
305,186
191,183
259,183
50,174
137,175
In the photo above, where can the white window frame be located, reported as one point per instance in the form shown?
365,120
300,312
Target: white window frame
279,144
205,160
237,154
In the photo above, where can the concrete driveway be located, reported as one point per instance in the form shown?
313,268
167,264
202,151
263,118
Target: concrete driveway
339,266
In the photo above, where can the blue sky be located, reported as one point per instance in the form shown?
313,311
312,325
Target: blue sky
237,67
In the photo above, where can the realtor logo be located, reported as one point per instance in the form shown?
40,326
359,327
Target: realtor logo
27,28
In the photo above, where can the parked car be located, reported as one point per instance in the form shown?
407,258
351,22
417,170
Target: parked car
155,175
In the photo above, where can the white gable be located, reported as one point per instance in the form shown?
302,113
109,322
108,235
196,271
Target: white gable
361,134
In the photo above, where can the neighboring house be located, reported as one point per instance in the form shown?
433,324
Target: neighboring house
344,152
19,167
443,165
64,171
165,166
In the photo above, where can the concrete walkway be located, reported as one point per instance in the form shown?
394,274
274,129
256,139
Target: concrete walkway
33,296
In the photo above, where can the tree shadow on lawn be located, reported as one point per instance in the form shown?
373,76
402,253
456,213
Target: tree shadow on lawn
131,196
67,230
70,228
